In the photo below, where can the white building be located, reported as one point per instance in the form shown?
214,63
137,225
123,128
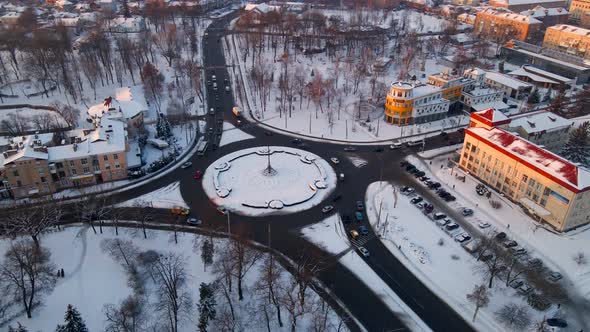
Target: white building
546,129
480,95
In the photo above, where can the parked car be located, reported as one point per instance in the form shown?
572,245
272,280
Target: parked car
335,160
443,222
451,228
483,225
296,141
419,174
510,244
363,230
395,145
467,212
556,322
439,215
518,251
516,283
424,178
350,149
211,111
535,263
359,216
360,206
428,208
463,237
408,191
354,234
409,168
186,165
364,251
194,221
500,236
404,163
555,276
416,200
525,289
434,185
450,198
327,208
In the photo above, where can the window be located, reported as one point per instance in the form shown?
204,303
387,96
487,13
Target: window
117,166
543,202
84,161
115,156
43,179
531,183
546,192
105,157
86,170
74,171
524,178
61,174
41,171
107,166
15,173
59,165
71,163
19,184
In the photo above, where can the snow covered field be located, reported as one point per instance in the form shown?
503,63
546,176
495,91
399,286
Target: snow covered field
31,119
93,279
164,198
330,235
447,269
240,181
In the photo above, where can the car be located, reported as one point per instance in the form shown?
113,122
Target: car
360,206
419,174
555,276
557,322
444,194
216,97
510,244
363,230
410,168
213,78
346,219
327,208
404,188
404,163
336,198
180,211
378,149
443,222
428,208
535,263
194,221
211,111
358,216
467,212
296,141
483,225
500,236
416,200
341,176
439,215
363,251
186,165
354,234
422,204
268,133
227,89
222,209
428,182
518,251
220,121
434,185
408,191
463,237
395,145
424,178
525,289
335,160
451,227
516,283
197,175
349,149
450,198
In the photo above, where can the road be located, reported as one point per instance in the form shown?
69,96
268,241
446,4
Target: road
358,298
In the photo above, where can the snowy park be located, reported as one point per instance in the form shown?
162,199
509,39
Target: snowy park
269,180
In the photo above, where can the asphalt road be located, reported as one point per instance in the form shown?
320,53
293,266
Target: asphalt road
360,300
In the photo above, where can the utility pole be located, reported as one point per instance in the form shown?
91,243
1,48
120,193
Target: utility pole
310,123
228,224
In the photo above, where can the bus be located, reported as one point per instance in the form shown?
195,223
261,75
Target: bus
201,146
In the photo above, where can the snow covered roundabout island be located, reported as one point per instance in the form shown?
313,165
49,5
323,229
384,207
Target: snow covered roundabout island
269,180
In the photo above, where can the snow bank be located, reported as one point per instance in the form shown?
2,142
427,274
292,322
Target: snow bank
164,198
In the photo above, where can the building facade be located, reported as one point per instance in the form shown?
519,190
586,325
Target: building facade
578,8
548,16
546,129
548,187
502,25
568,39
518,6
480,95
414,102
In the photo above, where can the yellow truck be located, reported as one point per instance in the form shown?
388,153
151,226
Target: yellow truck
180,211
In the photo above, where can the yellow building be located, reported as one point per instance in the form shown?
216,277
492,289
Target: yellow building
414,102
569,39
552,189
578,8
451,85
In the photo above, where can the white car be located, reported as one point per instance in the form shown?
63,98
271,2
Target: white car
483,225
227,88
395,145
186,165
335,160
364,251
194,221
327,208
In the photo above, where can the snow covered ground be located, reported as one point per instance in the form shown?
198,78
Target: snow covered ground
555,250
165,198
231,134
93,279
238,181
436,152
330,235
447,269
27,117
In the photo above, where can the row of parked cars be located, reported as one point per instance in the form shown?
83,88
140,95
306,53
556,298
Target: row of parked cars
431,184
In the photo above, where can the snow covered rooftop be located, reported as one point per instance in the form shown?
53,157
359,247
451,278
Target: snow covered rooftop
418,89
527,2
478,92
571,29
531,76
506,80
511,16
497,105
123,101
540,122
491,117
540,11
544,162
262,8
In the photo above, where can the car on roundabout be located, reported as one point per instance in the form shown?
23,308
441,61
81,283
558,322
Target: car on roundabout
363,251
186,165
198,175
194,221
335,160
350,149
327,209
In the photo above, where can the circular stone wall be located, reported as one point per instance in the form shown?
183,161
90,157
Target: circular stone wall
243,182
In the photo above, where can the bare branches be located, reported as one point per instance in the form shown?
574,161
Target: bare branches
479,297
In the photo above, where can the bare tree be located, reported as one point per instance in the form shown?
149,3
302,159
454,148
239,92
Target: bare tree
309,265
290,301
129,316
69,113
32,221
479,297
27,273
153,82
268,284
242,259
514,316
122,251
170,276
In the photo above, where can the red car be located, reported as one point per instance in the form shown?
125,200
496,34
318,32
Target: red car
198,175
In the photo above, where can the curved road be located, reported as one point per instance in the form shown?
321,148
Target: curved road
365,305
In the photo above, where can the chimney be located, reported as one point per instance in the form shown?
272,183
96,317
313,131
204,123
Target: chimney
75,146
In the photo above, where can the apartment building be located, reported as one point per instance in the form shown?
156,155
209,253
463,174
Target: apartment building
518,6
551,189
548,16
498,24
414,102
568,39
451,85
578,8
480,95
36,165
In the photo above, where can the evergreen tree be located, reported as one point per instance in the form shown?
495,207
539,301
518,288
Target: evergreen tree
577,149
207,253
581,105
206,305
163,128
557,105
533,98
73,321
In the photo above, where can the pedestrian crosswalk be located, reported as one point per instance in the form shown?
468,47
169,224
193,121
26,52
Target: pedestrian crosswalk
361,241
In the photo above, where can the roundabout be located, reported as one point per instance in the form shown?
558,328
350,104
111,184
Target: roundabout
269,180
